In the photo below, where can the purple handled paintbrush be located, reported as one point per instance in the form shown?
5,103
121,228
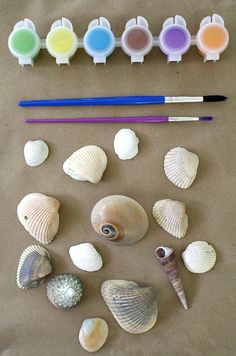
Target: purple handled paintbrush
129,119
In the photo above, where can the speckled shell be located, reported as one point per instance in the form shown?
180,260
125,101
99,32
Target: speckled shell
126,144
93,334
171,216
86,164
134,307
199,257
119,219
85,257
35,152
64,291
34,267
38,213
180,166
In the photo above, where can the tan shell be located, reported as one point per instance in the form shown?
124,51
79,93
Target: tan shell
38,213
93,334
180,166
119,219
171,216
199,257
86,164
134,307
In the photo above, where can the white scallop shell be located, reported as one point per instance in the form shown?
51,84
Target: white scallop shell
38,213
180,166
93,334
86,164
85,257
199,257
170,215
35,152
126,144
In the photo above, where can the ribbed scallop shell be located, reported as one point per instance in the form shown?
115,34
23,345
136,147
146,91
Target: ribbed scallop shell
86,164
34,267
199,257
35,152
64,291
134,307
126,144
93,334
85,257
38,213
171,216
180,166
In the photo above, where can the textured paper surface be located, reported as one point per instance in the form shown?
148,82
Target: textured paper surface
29,324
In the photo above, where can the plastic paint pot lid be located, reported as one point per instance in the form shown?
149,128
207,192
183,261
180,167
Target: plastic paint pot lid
175,39
137,40
212,38
24,43
99,41
61,41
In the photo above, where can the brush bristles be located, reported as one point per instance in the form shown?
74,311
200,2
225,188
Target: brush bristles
211,98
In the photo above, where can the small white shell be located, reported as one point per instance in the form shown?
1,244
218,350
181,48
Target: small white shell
35,152
180,166
85,257
126,144
199,257
171,216
86,164
93,334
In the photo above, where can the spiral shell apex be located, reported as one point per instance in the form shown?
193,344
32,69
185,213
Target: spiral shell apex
38,213
119,219
199,257
93,334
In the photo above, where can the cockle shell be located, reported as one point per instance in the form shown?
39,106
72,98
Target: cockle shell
93,334
64,291
85,257
35,152
134,307
166,257
34,267
38,213
119,219
199,257
86,164
180,166
171,216
126,144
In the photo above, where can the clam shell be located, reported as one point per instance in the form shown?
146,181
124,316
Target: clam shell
119,219
93,334
180,166
85,257
171,216
199,257
86,164
35,152
134,307
64,291
34,267
126,144
38,213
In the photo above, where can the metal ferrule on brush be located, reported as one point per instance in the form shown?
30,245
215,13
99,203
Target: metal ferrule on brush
183,99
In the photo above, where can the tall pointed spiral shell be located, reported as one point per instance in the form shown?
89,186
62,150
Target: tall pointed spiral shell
93,334
199,257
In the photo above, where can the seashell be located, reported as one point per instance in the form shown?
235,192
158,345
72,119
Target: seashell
35,152
34,267
134,307
126,144
38,213
171,216
119,219
85,257
199,257
64,291
180,166
166,257
93,334
86,164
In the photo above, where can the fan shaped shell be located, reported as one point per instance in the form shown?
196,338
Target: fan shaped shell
134,307
180,166
171,216
34,267
38,213
35,152
126,144
85,257
93,334
199,257
86,164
